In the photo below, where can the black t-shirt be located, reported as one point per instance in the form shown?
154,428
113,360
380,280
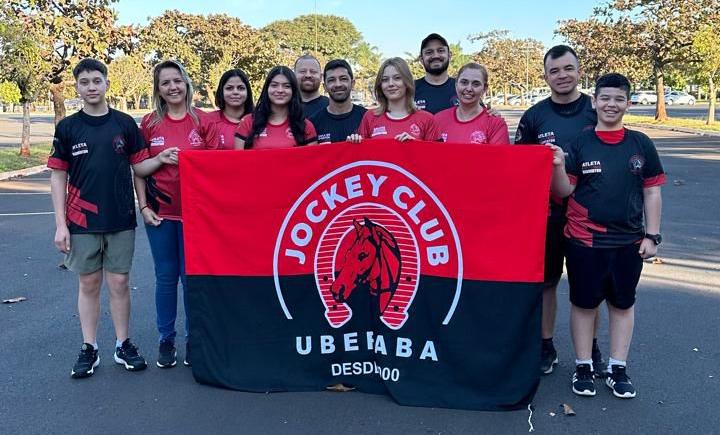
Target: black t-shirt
435,98
336,128
97,152
548,122
315,105
606,209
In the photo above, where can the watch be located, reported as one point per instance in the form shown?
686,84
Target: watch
656,238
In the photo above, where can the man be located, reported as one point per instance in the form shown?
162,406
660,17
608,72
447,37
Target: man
92,195
436,90
557,120
613,176
307,71
341,118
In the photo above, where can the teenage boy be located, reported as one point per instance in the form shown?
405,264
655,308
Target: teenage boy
92,195
557,121
308,73
613,177
341,118
435,91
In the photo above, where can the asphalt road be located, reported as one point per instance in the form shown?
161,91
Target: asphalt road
674,362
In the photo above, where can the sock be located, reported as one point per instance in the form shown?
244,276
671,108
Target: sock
585,361
595,345
118,343
615,362
94,345
547,342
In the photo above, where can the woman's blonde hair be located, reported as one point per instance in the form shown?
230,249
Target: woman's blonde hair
402,67
159,104
476,66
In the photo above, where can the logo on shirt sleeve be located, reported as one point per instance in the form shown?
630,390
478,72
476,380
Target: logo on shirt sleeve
591,167
636,164
79,148
547,138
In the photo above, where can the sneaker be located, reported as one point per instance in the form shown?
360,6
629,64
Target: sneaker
128,356
619,382
598,362
583,381
167,355
87,360
186,361
548,358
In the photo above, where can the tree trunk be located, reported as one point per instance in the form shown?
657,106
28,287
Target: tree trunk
137,102
711,109
58,98
123,104
25,141
211,96
660,112
506,89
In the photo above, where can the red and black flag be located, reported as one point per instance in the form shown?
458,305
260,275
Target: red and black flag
411,269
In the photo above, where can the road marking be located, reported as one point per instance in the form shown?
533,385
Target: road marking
27,214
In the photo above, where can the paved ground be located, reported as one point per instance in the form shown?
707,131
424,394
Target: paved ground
675,357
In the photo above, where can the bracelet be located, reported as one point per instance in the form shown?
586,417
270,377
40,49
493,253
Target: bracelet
143,208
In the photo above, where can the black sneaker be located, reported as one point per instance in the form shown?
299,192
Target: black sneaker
87,360
128,355
583,381
598,362
619,382
548,358
167,355
186,361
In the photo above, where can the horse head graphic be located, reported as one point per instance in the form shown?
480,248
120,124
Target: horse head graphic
371,263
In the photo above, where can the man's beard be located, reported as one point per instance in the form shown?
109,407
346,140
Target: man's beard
437,71
314,86
339,100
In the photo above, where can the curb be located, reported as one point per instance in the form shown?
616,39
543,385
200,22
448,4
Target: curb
677,129
22,172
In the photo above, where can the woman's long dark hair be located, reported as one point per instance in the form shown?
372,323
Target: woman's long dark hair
262,112
248,107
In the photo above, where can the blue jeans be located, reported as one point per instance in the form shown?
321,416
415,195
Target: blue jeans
166,245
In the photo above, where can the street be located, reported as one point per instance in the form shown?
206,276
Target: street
674,361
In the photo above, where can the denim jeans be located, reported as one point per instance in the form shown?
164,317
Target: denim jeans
166,244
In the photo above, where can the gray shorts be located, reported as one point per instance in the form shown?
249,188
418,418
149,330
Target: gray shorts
112,252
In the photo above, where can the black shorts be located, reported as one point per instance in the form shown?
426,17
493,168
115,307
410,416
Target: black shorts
597,274
554,252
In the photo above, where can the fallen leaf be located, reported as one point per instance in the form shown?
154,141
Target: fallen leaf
341,388
658,260
14,300
567,409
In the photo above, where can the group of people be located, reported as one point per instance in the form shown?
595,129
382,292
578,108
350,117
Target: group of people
611,175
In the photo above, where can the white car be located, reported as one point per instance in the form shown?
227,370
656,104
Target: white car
679,97
643,97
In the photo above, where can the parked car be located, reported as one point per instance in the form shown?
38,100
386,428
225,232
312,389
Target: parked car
679,97
534,99
643,97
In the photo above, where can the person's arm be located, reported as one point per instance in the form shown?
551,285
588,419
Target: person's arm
168,156
652,198
58,193
561,183
525,133
499,134
239,143
148,214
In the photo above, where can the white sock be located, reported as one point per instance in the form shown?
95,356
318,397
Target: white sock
94,345
118,343
615,362
585,361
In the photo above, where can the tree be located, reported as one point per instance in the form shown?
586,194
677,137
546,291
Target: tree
603,47
665,32
208,46
130,79
21,63
66,31
9,93
326,36
510,62
707,44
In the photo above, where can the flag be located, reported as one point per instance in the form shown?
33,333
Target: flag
410,269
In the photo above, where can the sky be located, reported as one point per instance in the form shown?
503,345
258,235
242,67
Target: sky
395,27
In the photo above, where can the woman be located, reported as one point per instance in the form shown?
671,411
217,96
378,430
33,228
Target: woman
470,122
234,99
396,115
278,120
172,127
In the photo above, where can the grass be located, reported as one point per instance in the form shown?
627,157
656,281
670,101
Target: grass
697,124
10,159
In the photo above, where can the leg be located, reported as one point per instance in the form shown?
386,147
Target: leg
581,327
549,310
89,304
164,247
622,323
119,303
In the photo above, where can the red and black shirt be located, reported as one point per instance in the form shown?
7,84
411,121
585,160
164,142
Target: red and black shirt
96,152
163,186
606,209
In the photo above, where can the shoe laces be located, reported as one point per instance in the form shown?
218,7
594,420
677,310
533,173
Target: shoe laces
86,354
618,374
583,372
129,349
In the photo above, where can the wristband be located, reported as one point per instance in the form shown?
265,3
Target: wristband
143,208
